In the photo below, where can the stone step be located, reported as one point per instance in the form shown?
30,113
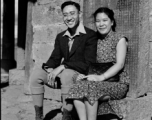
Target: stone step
136,109
54,94
132,109
4,77
16,77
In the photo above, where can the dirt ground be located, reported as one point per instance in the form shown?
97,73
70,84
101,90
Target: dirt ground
15,105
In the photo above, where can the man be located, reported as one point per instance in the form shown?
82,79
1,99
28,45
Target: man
77,47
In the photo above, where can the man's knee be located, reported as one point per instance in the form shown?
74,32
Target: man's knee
38,75
67,76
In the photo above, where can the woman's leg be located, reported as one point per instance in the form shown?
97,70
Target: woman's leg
81,109
91,110
67,77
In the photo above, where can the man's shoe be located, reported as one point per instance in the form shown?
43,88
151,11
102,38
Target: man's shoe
38,112
66,115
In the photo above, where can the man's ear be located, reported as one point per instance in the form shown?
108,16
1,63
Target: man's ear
112,23
80,14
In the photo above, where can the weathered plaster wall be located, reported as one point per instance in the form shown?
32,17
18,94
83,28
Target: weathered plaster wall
47,23
144,81
150,46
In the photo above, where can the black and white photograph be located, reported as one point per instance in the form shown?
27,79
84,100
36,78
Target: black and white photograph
76,59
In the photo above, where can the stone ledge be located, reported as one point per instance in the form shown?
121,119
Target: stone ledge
54,94
16,77
132,109
136,109
4,78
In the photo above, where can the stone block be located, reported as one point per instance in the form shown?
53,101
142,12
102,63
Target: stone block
150,40
4,77
16,77
41,52
57,2
20,57
44,2
132,109
46,14
45,34
9,117
113,4
49,12
61,28
142,82
136,109
54,94
50,105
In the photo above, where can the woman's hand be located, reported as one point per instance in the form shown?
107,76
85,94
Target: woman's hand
80,77
95,77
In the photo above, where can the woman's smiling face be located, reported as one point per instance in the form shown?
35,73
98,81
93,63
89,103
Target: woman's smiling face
103,23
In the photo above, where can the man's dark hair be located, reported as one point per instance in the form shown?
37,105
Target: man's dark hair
70,3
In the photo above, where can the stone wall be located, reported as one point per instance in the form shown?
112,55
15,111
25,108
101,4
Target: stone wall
132,18
47,23
143,79
150,46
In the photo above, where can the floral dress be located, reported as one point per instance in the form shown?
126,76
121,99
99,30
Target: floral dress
93,90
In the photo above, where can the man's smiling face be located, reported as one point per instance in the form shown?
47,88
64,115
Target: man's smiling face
71,16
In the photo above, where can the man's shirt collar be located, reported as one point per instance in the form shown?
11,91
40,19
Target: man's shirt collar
79,30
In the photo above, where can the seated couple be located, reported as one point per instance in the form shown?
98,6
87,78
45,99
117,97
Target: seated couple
80,46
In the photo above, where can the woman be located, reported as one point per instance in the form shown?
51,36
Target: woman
112,47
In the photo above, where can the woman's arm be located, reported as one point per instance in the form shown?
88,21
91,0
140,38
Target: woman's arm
121,51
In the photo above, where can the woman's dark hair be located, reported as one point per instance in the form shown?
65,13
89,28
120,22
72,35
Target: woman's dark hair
70,3
108,12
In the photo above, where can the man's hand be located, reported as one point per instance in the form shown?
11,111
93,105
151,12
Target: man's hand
52,75
49,70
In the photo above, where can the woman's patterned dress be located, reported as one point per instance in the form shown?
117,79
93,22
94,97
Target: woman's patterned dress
93,90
